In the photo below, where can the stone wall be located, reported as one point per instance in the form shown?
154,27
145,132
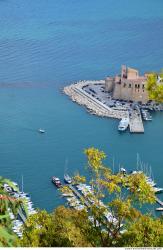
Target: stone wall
129,91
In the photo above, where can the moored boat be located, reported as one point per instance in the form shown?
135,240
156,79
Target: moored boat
123,124
56,182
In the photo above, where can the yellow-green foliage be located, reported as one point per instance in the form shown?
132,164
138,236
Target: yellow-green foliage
155,89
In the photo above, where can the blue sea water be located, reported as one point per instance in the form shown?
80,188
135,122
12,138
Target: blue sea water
47,44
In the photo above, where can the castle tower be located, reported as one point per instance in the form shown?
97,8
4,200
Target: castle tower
124,71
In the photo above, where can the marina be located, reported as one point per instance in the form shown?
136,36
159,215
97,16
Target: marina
81,197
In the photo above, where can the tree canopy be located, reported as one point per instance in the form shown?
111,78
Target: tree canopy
155,87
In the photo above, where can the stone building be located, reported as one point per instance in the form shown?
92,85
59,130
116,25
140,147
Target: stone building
128,86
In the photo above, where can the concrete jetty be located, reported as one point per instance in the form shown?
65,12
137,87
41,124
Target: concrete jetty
136,123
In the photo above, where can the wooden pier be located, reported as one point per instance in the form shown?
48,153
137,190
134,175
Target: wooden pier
81,197
136,123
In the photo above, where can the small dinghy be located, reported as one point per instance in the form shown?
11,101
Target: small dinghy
41,130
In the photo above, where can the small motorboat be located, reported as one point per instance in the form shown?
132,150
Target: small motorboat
56,182
41,130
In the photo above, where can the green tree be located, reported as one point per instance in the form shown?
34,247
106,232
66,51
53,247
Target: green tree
145,231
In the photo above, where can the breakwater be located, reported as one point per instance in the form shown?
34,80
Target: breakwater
94,106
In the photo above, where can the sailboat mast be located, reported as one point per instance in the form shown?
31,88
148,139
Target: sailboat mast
137,161
22,184
113,165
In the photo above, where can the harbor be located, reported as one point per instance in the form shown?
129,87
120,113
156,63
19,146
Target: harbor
91,94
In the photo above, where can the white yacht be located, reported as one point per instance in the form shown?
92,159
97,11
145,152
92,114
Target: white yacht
123,124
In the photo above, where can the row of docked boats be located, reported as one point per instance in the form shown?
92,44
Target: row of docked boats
149,180
19,220
81,192
146,115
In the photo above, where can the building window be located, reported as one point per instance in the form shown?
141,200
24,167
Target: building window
138,85
129,85
135,85
124,85
142,86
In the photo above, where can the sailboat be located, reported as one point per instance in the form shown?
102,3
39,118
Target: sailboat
67,178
